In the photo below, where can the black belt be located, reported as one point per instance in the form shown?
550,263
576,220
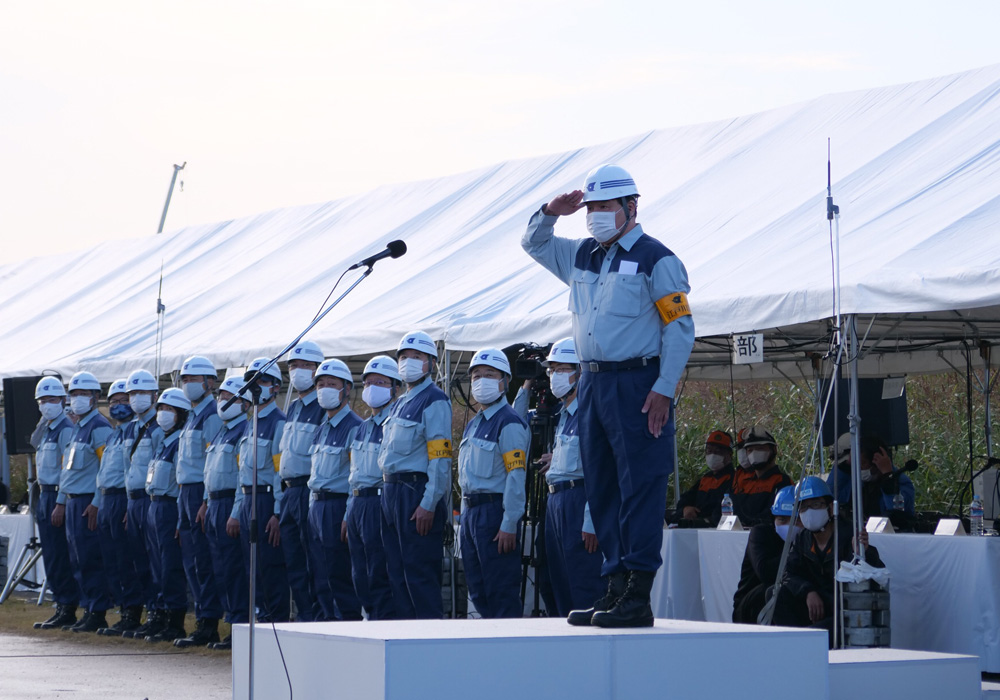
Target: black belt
370,491
478,499
195,483
166,499
563,485
261,488
295,481
112,490
329,496
48,488
136,495
404,478
78,495
634,363
222,493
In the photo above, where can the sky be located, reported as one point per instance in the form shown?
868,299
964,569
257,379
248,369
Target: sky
279,104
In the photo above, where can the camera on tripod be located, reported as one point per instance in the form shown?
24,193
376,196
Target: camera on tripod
528,366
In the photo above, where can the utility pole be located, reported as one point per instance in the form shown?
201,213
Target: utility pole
170,192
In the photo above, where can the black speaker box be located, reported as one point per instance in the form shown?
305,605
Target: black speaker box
21,413
886,418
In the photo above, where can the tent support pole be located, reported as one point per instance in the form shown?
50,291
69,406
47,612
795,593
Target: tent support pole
854,420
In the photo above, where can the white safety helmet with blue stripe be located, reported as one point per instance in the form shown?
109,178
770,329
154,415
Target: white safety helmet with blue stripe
232,384
608,182
384,365
562,351
335,368
118,386
198,366
272,371
418,340
307,350
490,357
49,386
174,397
142,380
84,381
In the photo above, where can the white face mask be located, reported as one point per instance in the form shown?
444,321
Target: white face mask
50,411
166,420
328,397
561,383
741,457
814,520
783,533
486,390
715,462
376,396
266,392
229,413
411,369
140,403
759,458
194,391
601,225
867,475
302,379
80,405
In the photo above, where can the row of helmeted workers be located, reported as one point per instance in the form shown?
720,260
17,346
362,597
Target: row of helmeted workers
350,511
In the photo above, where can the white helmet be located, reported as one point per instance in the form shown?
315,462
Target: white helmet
418,340
384,365
272,371
85,381
196,366
490,357
562,351
174,397
306,350
608,182
141,380
117,387
49,386
335,368
233,385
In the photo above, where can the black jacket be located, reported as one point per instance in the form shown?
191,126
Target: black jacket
760,563
753,495
706,494
811,569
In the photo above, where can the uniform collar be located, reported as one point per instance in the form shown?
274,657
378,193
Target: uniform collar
423,384
629,239
334,420
492,409
172,438
196,409
379,418
309,397
268,409
149,415
570,407
86,419
230,424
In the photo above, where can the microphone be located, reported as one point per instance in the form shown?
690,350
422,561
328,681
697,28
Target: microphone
393,249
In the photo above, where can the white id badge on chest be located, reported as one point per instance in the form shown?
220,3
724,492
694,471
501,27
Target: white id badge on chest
149,475
68,463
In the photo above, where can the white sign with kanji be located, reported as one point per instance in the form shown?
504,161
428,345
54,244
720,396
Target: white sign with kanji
748,348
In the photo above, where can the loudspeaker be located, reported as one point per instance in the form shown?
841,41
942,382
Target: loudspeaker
21,413
886,418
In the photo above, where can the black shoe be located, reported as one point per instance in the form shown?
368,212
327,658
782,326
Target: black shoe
206,632
155,621
632,609
82,621
64,615
225,645
92,622
128,622
616,587
172,629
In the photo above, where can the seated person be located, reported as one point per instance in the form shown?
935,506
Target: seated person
754,493
743,468
881,480
806,596
703,501
763,554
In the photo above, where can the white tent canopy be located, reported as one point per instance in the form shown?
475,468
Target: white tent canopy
741,201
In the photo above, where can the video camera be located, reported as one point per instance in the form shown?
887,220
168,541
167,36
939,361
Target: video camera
528,366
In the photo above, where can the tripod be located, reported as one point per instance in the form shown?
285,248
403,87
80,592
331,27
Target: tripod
30,553
543,426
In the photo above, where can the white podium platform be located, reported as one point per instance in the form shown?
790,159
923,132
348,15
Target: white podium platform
878,674
527,658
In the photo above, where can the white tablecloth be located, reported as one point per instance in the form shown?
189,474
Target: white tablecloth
944,595
19,529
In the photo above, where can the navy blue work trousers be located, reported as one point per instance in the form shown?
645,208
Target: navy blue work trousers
140,544
165,560
574,572
85,556
230,573
364,538
494,579
331,561
55,553
295,546
271,589
413,561
196,555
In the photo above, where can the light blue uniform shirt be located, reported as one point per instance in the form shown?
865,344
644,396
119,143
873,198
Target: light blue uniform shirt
364,451
304,418
111,475
162,477
54,445
420,421
331,452
86,445
222,468
137,462
270,425
566,464
202,424
613,296
492,459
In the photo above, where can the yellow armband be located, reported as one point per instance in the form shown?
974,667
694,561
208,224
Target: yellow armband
515,459
100,452
277,461
673,306
439,449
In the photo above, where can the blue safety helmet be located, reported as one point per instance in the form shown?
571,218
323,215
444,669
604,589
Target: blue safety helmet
812,487
784,502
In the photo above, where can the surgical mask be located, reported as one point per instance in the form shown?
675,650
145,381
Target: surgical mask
265,393
601,225
376,396
486,390
715,462
560,383
741,457
783,531
194,391
814,520
758,458
140,403
50,411
166,420
80,405
411,369
867,475
229,413
302,379
328,397
121,412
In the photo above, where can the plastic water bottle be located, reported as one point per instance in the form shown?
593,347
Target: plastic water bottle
898,502
976,516
727,505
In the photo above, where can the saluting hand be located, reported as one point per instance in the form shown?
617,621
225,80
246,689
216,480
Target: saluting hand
565,204
657,408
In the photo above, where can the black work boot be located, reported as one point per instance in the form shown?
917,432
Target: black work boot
92,622
173,629
225,645
83,621
155,621
206,632
616,587
64,615
128,622
632,609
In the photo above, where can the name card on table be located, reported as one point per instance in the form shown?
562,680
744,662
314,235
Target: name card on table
879,526
730,523
748,348
950,526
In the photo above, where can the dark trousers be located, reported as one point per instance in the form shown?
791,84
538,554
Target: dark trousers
196,555
85,557
625,468
494,579
165,560
749,605
230,574
364,537
114,549
140,544
295,547
331,561
413,561
272,598
55,552
574,572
